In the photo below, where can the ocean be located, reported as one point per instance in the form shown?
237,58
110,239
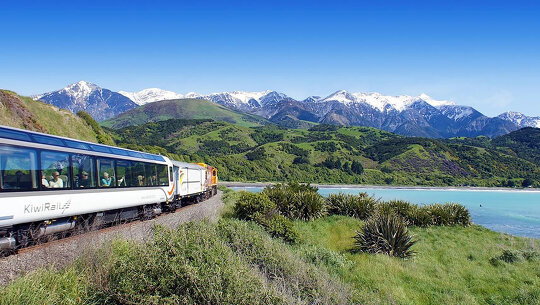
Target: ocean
507,211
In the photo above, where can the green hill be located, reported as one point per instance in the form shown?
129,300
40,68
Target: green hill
330,154
23,112
183,109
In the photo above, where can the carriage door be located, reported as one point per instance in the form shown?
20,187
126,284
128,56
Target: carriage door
177,183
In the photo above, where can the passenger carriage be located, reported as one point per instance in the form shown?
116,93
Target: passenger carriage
51,184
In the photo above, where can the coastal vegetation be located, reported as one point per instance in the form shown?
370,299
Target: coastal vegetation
239,261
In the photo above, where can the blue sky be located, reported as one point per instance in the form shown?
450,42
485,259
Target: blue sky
481,53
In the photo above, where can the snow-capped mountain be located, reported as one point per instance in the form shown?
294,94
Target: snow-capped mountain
151,95
520,119
100,103
383,102
419,115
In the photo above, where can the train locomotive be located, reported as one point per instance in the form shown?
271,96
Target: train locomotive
53,186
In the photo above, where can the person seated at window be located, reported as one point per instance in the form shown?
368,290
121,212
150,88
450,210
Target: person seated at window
44,181
57,182
83,180
19,179
140,180
106,181
153,180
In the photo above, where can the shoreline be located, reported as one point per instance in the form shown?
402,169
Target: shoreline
389,187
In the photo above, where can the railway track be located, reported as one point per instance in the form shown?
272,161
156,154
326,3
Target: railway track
59,252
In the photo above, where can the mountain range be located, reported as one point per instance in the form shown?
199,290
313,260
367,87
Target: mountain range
406,115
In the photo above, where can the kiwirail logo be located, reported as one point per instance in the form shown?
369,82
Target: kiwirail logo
46,207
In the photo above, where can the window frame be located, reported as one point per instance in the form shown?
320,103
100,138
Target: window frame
94,172
70,170
35,171
115,180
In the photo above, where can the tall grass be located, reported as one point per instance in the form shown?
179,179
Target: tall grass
452,265
49,286
232,262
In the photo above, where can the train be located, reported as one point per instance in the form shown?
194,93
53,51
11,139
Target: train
53,186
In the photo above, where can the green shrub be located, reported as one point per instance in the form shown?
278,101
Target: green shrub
360,206
259,208
278,226
250,203
305,205
399,207
461,215
419,216
279,194
530,255
509,256
385,233
297,201
449,214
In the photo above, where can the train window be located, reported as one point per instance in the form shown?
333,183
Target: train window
163,176
138,174
83,171
18,168
171,174
100,148
15,135
123,174
151,174
75,144
135,154
55,170
47,140
118,151
106,173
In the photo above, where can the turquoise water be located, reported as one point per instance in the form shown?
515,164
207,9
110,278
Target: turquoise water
512,212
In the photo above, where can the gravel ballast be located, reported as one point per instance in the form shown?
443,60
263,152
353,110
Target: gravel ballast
61,252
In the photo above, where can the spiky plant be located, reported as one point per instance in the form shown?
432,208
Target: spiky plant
306,205
385,233
461,215
400,207
297,201
450,214
419,216
360,206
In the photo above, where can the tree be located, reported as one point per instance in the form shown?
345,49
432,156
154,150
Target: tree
527,182
357,167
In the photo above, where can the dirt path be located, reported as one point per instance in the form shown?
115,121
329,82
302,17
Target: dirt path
62,252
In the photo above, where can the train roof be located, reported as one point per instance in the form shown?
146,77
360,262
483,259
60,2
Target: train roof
187,165
42,138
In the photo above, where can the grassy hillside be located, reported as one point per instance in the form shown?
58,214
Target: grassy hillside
23,112
183,109
331,154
